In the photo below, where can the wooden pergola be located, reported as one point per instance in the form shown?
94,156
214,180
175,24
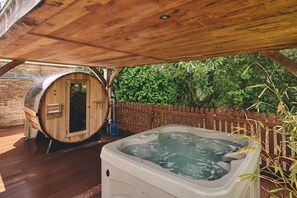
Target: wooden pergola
124,33
113,34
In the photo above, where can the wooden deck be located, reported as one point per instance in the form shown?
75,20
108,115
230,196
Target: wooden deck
27,171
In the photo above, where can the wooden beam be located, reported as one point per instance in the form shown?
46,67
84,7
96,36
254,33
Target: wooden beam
45,34
98,75
281,59
113,75
107,74
8,66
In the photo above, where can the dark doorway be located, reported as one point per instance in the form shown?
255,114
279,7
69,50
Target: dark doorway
78,107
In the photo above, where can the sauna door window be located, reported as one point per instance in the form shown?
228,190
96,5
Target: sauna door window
78,107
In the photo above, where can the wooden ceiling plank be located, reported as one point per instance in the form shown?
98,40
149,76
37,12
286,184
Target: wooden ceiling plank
128,33
25,49
49,49
231,49
197,56
174,10
107,34
238,41
222,16
87,44
68,15
221,33
162,30
180,36
61,50
17,30
10,65
56,50
113,15
47,10
281,59
4,51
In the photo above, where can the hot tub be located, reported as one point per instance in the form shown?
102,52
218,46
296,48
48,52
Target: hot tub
125,175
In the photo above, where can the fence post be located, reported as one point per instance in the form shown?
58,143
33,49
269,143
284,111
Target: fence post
209,122
150,117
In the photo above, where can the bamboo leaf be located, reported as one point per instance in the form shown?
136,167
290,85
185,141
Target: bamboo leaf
276,169
248,176
276,190
281,171
245,70
278,148
261,94
286,94
261,124
293,165
280,107
248,149
257,85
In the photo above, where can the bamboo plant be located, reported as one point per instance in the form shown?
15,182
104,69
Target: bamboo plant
273,170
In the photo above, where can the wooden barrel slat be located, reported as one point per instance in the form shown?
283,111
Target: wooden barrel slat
47,106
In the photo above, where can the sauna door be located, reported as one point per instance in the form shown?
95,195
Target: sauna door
77,114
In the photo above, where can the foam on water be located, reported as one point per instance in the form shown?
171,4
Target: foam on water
185,154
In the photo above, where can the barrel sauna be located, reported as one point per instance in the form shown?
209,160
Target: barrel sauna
67,107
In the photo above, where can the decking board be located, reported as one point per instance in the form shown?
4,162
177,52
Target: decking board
27,171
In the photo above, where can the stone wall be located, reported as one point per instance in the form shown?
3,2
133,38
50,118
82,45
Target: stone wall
13,89
12,92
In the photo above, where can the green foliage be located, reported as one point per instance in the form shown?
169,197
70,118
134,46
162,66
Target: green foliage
232,88
148,84
229,86
206,83
216,82
192,81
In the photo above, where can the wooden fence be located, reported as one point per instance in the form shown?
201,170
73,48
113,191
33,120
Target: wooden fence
136,117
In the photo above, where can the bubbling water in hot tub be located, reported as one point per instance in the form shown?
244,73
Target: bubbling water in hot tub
186,154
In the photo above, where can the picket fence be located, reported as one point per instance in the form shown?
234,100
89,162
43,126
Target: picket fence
137,117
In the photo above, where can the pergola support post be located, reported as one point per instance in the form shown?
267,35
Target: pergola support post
281,59
114,74
107,74
109,78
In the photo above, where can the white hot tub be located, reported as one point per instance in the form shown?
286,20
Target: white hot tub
124,175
